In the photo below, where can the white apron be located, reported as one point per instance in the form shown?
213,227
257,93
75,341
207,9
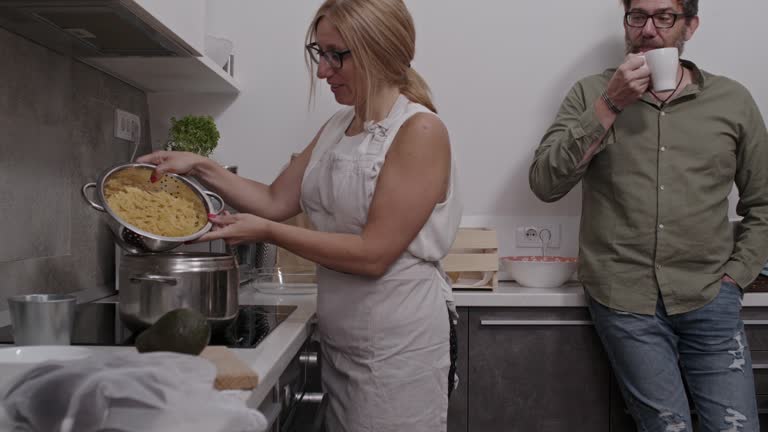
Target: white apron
385,341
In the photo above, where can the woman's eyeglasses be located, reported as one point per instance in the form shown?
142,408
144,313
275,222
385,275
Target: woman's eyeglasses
335,59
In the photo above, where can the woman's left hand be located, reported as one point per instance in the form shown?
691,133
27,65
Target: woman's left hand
237,228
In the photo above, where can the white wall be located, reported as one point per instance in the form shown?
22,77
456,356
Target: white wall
186,18
498,69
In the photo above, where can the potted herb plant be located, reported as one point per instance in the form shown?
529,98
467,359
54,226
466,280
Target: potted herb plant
196,134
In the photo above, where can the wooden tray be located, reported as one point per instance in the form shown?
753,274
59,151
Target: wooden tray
473,261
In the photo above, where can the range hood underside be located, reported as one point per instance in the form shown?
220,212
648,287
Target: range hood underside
95,28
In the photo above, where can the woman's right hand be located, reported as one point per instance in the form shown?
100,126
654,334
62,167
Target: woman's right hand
172,162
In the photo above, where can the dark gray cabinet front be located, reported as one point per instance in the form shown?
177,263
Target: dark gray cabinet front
536,370
457,406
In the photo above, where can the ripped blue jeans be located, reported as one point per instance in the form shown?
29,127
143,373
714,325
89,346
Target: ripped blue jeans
707,347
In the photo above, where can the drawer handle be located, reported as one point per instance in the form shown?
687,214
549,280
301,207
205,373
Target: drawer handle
755,322
535,323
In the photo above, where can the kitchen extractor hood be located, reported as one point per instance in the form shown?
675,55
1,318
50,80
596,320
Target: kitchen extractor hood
92,28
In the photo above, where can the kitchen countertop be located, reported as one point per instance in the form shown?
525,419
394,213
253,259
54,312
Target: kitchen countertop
270,358
511,294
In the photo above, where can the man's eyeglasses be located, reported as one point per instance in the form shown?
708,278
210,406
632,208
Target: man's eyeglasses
335,59
660,20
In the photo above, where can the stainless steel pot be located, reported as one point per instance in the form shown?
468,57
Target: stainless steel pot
135,240
153,284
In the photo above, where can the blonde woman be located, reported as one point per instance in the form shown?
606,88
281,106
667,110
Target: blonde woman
377,182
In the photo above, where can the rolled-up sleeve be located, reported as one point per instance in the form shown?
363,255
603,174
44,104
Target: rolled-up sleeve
558,163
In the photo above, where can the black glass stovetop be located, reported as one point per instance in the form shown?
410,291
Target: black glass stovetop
100,324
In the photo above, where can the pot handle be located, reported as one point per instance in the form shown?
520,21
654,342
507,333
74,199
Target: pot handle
219,201
155,279
84,191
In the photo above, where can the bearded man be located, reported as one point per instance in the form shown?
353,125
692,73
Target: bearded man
662,269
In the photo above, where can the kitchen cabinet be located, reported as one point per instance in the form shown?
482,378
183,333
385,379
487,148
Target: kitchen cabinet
458,404
621,420
168,74
296,402
760,369
183,20
536,369
157,46
756,326
544,369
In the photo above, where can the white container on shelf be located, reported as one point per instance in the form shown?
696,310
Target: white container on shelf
218,49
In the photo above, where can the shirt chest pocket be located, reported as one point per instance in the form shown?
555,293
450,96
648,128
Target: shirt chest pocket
351,182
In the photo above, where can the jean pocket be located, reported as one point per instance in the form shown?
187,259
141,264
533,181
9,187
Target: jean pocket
732,287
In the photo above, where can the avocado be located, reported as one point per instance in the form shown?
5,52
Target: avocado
181,330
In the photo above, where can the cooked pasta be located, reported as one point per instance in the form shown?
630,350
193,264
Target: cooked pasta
157,211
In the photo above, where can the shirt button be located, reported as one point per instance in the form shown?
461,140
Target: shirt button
661,187
663,149
658,266
661,226
663,113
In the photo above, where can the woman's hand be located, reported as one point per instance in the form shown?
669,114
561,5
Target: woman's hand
172,162
238,228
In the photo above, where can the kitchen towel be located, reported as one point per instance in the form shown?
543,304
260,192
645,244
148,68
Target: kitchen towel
126,391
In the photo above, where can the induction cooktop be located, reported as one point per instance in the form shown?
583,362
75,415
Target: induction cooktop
100,324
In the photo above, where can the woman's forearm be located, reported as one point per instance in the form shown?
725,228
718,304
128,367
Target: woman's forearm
348,253
244,195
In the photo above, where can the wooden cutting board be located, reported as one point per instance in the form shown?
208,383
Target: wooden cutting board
231,372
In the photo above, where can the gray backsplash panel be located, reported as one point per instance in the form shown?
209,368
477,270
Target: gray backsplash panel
36,174
57,121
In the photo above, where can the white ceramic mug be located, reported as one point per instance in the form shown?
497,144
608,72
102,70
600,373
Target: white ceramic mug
663,63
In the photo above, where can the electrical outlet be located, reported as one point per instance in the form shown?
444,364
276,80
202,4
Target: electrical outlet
127,125
531,235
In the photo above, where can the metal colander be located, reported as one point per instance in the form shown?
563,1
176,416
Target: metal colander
130,237
139,177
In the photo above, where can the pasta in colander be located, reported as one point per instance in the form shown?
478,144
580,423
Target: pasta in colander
157,212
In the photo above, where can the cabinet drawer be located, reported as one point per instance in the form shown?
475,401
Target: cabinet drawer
760,369
536,369
756,327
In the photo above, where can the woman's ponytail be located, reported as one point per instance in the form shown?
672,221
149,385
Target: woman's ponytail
417,90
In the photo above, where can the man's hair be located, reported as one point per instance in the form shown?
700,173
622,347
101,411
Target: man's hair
690,7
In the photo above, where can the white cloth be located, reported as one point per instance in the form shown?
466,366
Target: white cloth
127,392
385,341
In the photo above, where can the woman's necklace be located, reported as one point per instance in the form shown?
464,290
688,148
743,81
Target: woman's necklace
664,101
